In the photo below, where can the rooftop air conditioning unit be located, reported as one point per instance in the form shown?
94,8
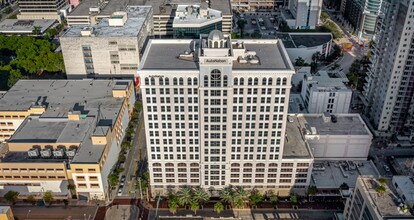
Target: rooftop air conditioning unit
46,153
71,153
34,152
59,153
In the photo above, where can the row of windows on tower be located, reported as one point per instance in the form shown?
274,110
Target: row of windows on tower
215,80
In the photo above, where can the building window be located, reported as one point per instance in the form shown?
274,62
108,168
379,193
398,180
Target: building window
215,78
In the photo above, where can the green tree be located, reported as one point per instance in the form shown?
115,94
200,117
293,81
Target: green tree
240,197
226,196
233,35
185,196
299,61
255,198
194,206
381,190
113,179
36,31
383,181
31,199
218,207
294,199
51,33
48,197
173,204
14,76
11,196
241,24
314,67
201,196
274,200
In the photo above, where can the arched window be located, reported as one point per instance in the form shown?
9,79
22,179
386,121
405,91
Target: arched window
182,165
189,81
175,82
225,81
273,165
264,81
260,165
215,78
152,81
284,81
242,81
256,81
236,81
169,165
194,165
248,165
278,81
205,81
270,81
161,81
146,81
156,164
250,82
216,44
195,81
181,81
167,81
235,165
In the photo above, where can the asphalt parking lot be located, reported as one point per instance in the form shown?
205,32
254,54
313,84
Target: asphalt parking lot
260,22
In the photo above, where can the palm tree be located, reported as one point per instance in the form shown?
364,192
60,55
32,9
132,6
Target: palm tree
240,197
227,196
173,204
255,198
274,200
184,196
218,207
194,206
201,196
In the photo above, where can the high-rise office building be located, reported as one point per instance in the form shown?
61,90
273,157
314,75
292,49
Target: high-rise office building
303,14
216,115
389,90
362,16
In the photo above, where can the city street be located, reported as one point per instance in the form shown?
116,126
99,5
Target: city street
248,214
48,213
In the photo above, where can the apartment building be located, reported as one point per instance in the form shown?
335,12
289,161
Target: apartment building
367,202
92,11
111,48
215,115
44,9
388,91
302,14
362,16
326,92
70,134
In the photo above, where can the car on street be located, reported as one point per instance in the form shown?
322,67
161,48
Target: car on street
120,191
386,168
334,119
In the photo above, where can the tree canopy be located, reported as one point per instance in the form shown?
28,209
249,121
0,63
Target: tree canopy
25,56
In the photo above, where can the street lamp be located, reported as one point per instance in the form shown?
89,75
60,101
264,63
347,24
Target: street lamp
28,213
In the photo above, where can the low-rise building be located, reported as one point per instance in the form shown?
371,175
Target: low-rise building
90,12
69,132
372,199
110,48
45,9
404,186
326,92
6,213
192,20
305,45
346,137
337,178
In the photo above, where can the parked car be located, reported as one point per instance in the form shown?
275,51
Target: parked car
120,191
123,179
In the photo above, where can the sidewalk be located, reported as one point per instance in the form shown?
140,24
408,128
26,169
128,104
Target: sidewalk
75,203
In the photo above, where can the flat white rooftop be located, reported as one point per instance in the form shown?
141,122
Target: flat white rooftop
332,174
192,15
347,124
136,18
16,26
